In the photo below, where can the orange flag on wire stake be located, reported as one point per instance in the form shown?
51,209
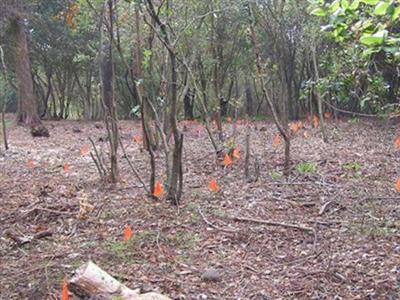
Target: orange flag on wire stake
137,138
236,153
397,142
85,149
128,233
328,115
31,164
158,189
294,127
227,160
66,167
213,185
315,121
64,290
397,185
277,140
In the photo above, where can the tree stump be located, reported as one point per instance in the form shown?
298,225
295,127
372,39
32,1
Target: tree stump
39,131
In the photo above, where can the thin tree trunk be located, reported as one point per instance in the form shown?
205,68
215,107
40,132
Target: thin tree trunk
4,106
280,121
174,165
108,96
319,102
48,94
249,99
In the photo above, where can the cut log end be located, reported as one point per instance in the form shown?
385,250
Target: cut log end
91,281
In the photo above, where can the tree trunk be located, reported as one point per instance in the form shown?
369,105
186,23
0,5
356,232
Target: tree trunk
249,99
48,94
88,113
173,190
27,113
280,119
174,159
188,102
108,78
319,101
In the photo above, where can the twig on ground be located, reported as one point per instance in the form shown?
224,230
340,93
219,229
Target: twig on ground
26,213
214,226
294,203
97,160
324,207
133,168
271,223
21,240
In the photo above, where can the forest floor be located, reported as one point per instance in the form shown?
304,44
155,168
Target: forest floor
347,198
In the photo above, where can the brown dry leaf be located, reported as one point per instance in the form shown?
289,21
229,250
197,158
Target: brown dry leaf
85,208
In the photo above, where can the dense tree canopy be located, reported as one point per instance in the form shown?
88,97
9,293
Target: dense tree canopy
215,61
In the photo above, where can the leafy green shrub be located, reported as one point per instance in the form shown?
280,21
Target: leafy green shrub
306,167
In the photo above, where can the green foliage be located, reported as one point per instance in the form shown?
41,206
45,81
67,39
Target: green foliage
306,167
345,83
353,168
126,250
358,69
354,120
146,58
275,175
372,24
135,112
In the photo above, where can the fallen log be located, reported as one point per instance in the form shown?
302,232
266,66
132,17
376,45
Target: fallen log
91,281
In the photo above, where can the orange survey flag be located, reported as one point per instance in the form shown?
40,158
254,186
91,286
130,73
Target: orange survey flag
85,149
137,138
397,142
128,233
158,189
227,160
294,127
315,121
213,185
31,164
236,153
300,125
328,115
64,291
66,167
397,186
277,140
